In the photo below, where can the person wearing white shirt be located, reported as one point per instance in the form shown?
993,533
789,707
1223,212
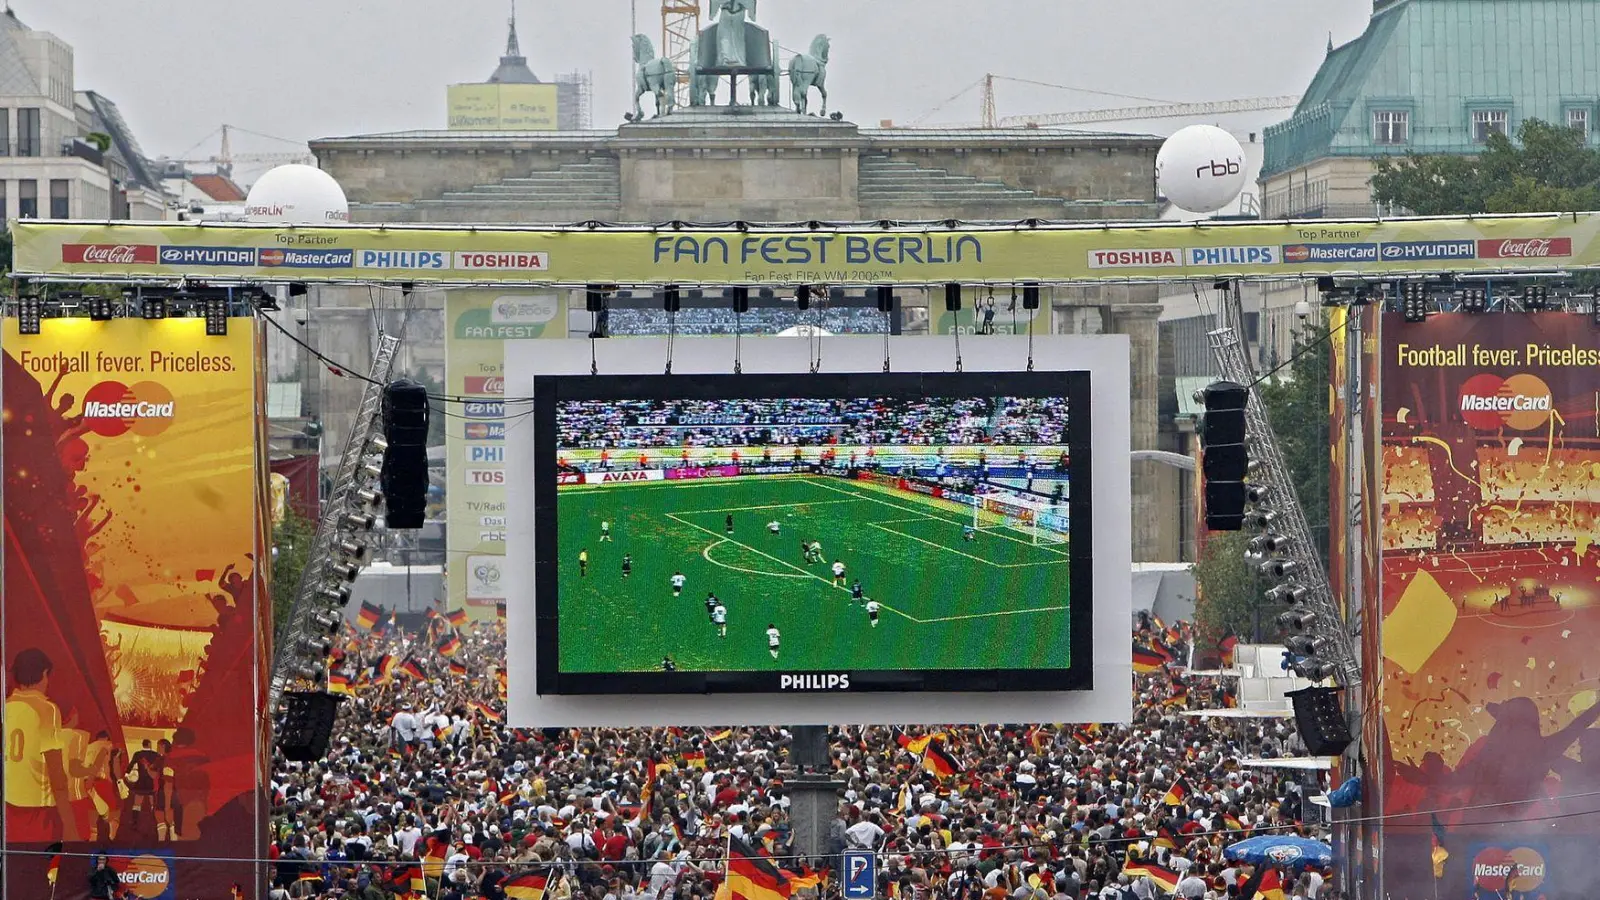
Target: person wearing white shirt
662,875
864,835
405,726
1191,887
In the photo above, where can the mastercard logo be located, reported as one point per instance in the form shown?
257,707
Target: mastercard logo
112,408
1498,869
146,877
1521,402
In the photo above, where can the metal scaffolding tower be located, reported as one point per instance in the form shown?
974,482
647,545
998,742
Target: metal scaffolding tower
302,642
680,25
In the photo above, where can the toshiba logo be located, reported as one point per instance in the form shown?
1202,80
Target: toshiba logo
1521,402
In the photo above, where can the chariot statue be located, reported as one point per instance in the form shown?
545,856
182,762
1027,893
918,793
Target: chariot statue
652,75
731,47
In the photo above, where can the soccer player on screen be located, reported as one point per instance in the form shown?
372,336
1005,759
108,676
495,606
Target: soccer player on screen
773,639
968,533
872,612
605,531
728,523
838,573
855,591
774,527
677,584
719,618
627,565
583,562
711,604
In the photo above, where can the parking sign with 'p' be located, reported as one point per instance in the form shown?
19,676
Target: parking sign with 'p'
860,875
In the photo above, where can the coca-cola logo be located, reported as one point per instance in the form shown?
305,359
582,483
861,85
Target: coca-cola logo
110,254
1526,248
485,384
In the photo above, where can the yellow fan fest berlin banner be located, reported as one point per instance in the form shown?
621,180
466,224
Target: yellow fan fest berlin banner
135,605
862,254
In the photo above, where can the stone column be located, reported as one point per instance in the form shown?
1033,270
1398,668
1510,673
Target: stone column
1150,519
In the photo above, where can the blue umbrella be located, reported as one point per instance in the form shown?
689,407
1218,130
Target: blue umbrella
1281,850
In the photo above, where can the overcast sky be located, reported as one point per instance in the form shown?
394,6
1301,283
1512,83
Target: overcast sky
302,69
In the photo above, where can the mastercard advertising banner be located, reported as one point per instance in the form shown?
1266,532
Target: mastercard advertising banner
133,606
1489,491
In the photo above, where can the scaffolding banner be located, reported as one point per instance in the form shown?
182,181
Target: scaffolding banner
135,503
1490,605
478,323
804,255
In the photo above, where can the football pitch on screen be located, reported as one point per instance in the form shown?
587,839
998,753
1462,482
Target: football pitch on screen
998,601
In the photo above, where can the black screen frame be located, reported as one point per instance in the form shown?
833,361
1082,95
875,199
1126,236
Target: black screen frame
1074,386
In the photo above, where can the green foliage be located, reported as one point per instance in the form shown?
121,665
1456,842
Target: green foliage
1548,168
100,139
1229,592
1296,403
291,541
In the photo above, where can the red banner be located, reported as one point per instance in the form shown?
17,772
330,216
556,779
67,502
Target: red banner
1490,611
135,508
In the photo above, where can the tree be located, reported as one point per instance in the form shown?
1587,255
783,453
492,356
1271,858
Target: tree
291,549
1295,400
1548,168
1230,594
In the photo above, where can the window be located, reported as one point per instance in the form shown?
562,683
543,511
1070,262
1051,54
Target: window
28,142
1391,126
59,207
5,209
1578,120
27,199
1486,122
5,132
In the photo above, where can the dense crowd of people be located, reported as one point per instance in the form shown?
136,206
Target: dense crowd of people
423,781
721,320
643,424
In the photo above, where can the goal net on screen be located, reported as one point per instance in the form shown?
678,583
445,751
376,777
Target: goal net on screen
1041,524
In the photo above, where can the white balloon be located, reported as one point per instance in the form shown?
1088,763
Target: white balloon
297,195
1201,169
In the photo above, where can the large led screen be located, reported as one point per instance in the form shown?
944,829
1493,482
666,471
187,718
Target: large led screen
772,533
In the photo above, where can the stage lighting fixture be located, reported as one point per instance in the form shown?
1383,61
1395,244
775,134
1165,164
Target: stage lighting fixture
316,646
1257,493
1269,543
352,549
1315,670
359,521
369,497
1414,301
153,307
1296,621
337,596
952,297
30,312
1304,645
671,300
1288,594
741,299
325,621
216,312
1279,568
1475,300
1030,296
1536,297
100,309
885,297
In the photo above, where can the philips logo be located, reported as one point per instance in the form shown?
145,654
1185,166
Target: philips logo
814,682
1233,256
486,454
402,259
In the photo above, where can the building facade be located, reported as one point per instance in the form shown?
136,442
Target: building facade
64,153
774,166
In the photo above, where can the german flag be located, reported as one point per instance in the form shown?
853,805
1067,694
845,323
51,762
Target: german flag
457,669
435,850
509,797
485,710
1230,700
1147,661
647,794
915,745
806,878
752,876
500,682
1164,877
410,668
339,683
694,759
1225,648
1177,794
431,614
1165,839
1231,822
722,735
1087,734
938,762
525,887
408,879
677,832
450,646
457,617
1038,740
54,867
383,669
368,617
1180,695
310,876
1264,884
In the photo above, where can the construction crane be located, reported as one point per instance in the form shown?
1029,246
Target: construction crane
225,158
1159,108
680,25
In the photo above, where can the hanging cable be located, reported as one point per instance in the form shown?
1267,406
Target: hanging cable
672,334
1030,332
